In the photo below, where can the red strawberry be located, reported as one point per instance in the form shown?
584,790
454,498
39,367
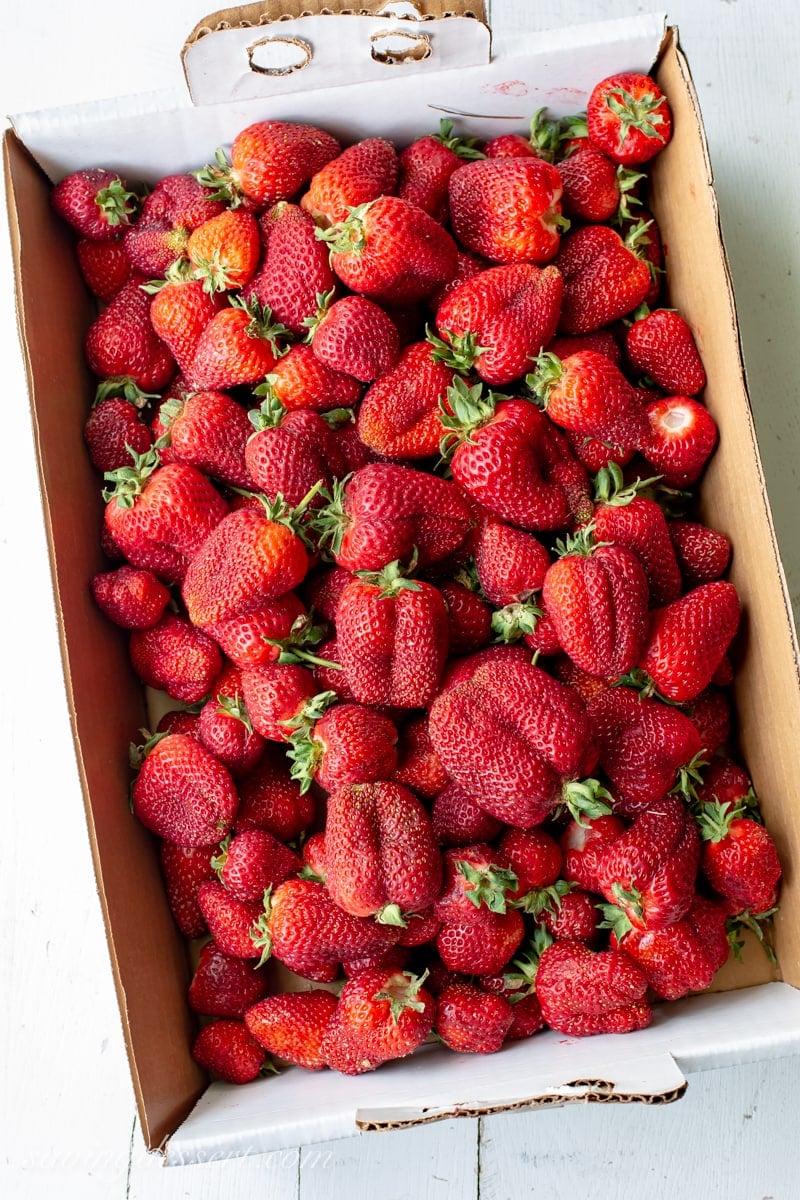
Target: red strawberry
481,948
399,414
259,636
154,246
426,166
395,957
472,1021
295,269
184,869
380,854
467,267
498,320
105,267
703,554
603,279
361,173
626,518
418,766
382,1014
390,250
225,728
739,858
507,209
270,161
583,843
458,819
595,188
660,344
234,924
602,341
710,712
182,201
724,780
176,657
469,619
209,431
535,857
238,345
179,313
587,394
123,343
323,590
628,118
183,794
582,992
227,1049
223,986
292,1026
422,928
689,638
392,638
131,598
572,917
300,380
682,438
95,202
356,337
270,799
277,697
349,744
313,852
225,250
114,429
511,566
509,145
291,453
180,720
252,861
683,957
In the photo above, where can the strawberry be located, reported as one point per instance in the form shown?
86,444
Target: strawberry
382,1014
481,948
507,209
238,345
223,986
661,345
271,800
276,697
295,269
426,166
176,657
458,819
725,781
395,957
129,597
467,267
208,430
184,868
602,341
252,861
739,858
354,336
95,203
179,313
703,554
682,438
385,512
594,454
381,857
181,720
509,145
182,201
685,956
227,1049
469,619
572,917
152,247
292,1026
122,342
582,992
596,596
258,636
392,638
511,566
390,250
603,279
689,638
498,319
582,844
292,453
470,1020
422,928
648,873
360,174
113,430
627,518
225,250
183,794
534,855
399,413
270,161
323,590
595,187
349,744
710,712
225,728
418,764
105,267
628,118
587,394
300,380
233,924
313,852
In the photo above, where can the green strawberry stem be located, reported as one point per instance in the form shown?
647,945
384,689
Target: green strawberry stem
464,147
259,931
459,351
393,579
390,914
305,755
626,182
179,271
401,991
527,963
234,707
271,411
615,919
514,621
545,136
580,543
308,872
609,486
635,113
302,634
753,922
641,682
221,177
324,301
261,323
168,413
347,236
219,860
129,481
330,521
689,778
630,899
281,513
464,410
586,798
213,273
117,204
547,372
545,899
488,885
123,386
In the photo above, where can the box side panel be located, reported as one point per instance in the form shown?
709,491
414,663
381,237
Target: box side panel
106,706
733,496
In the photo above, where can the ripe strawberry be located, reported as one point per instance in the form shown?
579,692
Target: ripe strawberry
392,251
587,394
183,794
225,728
113,429
392,638
176,657
511,566
238,345
382,1014
225,250
602,341
295,269
660,344
603,279
507,209
685,956
292,1026
426,166
476,879
122,342
223,986
535,857
682,438
739,858
322,591
153,247
710,712
233,924
95,203
360,174
689,638
355,336
572,917
395,957
331,678
483,948
270,161
259,636
131,598
105,267
385,512
252,861
349,744
399,413
227,1049
594,454
583,843
628,118
648,873
703,554
418,764
509,145
582,992
458,819
313,854
469,618
380,854
595,188
180,720
184,869
464,670
627,518
179,313
725,781
470,1020
301,381
498,320
208,430
271,800
182,201
292,453
467,267
160,516
276,697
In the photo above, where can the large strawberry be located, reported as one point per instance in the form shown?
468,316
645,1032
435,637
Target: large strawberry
123,343
183,793
628,117
399,413
295,268
382,1014
349,744
238,345
582,992
179,312
689,638
270,161
507,209
603,278
361,173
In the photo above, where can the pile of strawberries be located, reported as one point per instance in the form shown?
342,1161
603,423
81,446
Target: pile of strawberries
399,453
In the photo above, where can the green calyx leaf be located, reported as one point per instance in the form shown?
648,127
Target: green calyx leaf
459,351
235,708
220,177
581,542
330,522
755,923
573,128
347,236
609,486
547,372
546,899
308,872
271,411
514,621
324,301
639,680
169,412
630,900
545,135
259,930
305,755
402,992
488,885
635,236
219,860
635,113
615,919
302,634
214,274
714,819
124,387
281,513
393,579
390,914
689,778
527,962
464,410
586,799
116,204
129,481
465,148
304,721
179,271
138,753
626,182
261,323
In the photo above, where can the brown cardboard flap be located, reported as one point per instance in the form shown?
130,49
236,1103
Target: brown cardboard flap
105,703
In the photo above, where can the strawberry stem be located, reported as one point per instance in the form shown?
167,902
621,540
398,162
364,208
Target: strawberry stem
129,481
488,885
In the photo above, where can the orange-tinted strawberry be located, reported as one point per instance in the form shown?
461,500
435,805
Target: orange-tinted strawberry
629,118
688,640
603,279
660,344
685,956
226,1048
739,857
105,267
682,438
271,800
223,986
458,820
225,250
95,203
498,320
426,166
130,597
295,269
626,518
123,343
382,1014
183,794
507,209
208,430
469,618
481,948
703,554
582,992
179,313
292,1026
252,861
270,161
184,869
587,394
361,173
355,336
472,1021
348,744
381,857
238,345
399,414
301,381
583,843
176,657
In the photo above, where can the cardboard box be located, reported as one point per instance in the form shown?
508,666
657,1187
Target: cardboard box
754,1011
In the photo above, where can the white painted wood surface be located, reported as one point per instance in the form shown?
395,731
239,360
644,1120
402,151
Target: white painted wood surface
67,1122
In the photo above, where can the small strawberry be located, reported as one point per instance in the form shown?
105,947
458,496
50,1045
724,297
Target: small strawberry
469,618
122,342
682,438
582,992
703,554
270,161
511,566
238,345
660,344
301,381
572,917
354,336
95,203
458,819
252,861
627,518
292,1026
628,118
582,844
739,858
227,1049
154,246
225,250
710,712
689,638
587,394
105,267
129,597
295,269
595,188
535,857
208,430
179,312
271,800
183,794
418,764
471,1021
182,201
426,166
604,278
394,957
223,986
507,209
683,957
176,657
349,744
184,868
114,429
180,720
421,929
360,174
232,923
399,413
382,1014
225,728
482,947
725,781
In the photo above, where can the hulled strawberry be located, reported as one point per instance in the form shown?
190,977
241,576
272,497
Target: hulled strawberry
129,597
689,638
355,336
270,161
360,174
582,992
227,1049
123,343
183,794
399,413
686,955
270,799
507,209
349,744
470,1020
176,657
382,1014
739,857
628,118
95,202
184,868
223,986
682,438
208,430
603,278
292,1026
295,268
